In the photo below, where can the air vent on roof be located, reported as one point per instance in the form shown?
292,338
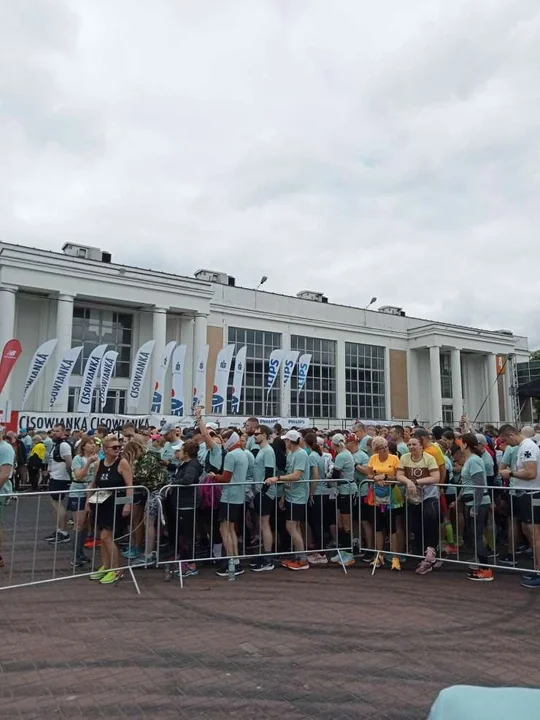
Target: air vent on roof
312,295
505,332
392,310
215,277
86,252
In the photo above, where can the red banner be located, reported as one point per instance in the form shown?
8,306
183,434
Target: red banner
10,355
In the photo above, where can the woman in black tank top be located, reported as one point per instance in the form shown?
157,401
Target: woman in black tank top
113,476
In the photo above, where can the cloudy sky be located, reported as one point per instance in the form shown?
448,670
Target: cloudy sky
352,147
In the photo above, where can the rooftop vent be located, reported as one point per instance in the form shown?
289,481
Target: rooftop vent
312,295
392,310
505,332
86,252
215,277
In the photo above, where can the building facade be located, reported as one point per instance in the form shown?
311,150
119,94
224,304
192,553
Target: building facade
375,365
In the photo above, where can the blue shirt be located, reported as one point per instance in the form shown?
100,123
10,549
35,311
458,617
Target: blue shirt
297,491
236,462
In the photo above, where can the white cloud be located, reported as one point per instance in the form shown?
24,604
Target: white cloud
360,149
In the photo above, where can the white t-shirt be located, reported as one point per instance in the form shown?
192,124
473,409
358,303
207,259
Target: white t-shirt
58,470
528,451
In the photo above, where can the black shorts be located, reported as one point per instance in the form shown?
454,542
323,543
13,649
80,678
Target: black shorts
59,488
384,520
528,508
76,504
140,497
295,511
346,504
231,512
265,505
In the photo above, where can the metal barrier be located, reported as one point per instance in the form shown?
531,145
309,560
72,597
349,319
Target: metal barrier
32,559
461,524
202,527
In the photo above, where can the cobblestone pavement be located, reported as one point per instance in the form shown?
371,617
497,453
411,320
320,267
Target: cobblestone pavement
316,644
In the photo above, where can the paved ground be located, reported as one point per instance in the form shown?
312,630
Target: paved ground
307,645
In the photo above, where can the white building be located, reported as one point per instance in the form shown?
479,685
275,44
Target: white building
368,364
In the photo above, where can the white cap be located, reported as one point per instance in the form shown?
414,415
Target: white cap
168,427
292,435
481,439
212,426
320,440
337,439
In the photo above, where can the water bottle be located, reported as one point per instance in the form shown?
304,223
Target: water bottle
232,576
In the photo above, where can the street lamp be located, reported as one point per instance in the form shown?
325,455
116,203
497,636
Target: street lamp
263,280
370,303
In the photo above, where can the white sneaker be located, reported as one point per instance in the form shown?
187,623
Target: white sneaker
317,559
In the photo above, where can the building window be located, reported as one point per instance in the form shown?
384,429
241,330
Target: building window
116,401
447,414
254,396
365,382
446,375
92,327
318,397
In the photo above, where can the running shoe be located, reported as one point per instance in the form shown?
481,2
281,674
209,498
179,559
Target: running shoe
481,575
377,561
348,559
263,566
451,550
317,559
396,565
286,563
191,570
508,560
132,553
59,538
369,558
91,543
298,565
110,578
79,562
532,582
100,573
530,575
424,567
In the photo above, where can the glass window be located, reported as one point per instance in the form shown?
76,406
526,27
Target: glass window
318,398
446,375
365,382
93,327
255,400
447,415
116,401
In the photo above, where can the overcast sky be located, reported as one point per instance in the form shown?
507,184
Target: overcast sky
354,147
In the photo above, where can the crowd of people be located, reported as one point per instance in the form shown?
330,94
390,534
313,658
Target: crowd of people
241,497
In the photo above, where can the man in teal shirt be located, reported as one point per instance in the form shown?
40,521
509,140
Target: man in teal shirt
7,460
296,481
265,502
397,434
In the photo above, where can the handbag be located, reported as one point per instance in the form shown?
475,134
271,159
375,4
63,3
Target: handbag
99,497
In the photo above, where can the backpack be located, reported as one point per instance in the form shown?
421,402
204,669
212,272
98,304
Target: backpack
209,495
210,468
56,451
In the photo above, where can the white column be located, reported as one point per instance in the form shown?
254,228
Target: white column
493,388
200,338
7,325
341,401
412,383
187,326
457,390
436,394
64,331
387,386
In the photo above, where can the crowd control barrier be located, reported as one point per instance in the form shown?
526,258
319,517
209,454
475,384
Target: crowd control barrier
31,556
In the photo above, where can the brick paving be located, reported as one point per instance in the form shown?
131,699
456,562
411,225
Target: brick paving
317,644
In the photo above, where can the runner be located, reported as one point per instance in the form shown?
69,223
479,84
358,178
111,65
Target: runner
83,470
385,498
265,506
347,499
7,462
60,480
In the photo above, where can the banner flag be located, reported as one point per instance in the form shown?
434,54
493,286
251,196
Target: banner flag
159,381
238,379
140,368
221,378
107,368
303,368
37,365
90,374
10,354
63,373
274,363
288,366
199,390
177,387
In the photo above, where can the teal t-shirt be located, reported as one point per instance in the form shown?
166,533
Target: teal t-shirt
76,488
48,447
297,492
251,444
7,457
402,448
345,463
316,460
361,457
250,475
488,464
236,462
509,459
266,458
473,466
168,450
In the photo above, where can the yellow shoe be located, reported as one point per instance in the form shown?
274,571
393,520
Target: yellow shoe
396,565
100,572
378,561
110,578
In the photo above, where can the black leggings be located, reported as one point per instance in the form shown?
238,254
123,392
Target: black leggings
321,515
180,527
424,523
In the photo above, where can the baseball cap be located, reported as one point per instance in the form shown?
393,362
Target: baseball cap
292,435
481,439
320,440
421,433
337,439
168,427
212,426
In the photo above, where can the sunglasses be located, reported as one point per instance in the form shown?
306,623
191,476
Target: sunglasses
114,447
